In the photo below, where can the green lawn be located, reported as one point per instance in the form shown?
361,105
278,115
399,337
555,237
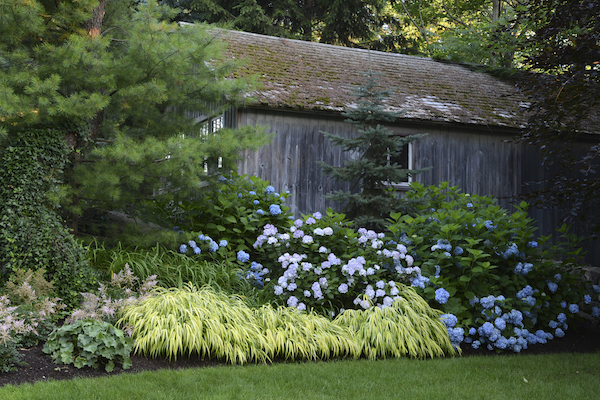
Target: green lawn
556,376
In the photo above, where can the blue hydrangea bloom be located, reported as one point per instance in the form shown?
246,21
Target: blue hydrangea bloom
587,299
559,333
472,331
223,243
213,246
552,286
183,249
456,336
197,250
596,288
256,202
469,205
574,308
530,300
526,291
501,343
500,323
486,329
243,256
595,312
512,250
260,212
557,277
252,193
458,250
274,209
533,244
442,295
489,226
473,301
562,318
476,344
487,302
419,281
563,304
449,320
270,190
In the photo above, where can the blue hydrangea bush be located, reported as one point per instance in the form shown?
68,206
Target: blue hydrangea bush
229,217
320,263
484,269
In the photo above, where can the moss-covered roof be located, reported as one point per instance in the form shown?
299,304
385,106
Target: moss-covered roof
314,76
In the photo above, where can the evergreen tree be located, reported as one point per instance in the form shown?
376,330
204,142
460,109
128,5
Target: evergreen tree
119,80
375,165
352,23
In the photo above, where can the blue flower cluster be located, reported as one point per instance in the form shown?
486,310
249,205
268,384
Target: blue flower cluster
210,243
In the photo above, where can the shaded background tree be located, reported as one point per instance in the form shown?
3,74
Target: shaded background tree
375,167
353,23
118,79
564,87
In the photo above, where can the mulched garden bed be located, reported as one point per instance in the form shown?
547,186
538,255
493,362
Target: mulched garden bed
581,338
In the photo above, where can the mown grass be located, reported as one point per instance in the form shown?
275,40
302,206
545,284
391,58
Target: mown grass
555,376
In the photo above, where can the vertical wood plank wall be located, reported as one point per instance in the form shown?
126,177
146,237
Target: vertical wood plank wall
478,161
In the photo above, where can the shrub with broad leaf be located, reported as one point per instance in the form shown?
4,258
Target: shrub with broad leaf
321,263
498,285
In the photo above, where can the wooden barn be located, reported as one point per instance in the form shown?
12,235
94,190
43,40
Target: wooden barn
470,118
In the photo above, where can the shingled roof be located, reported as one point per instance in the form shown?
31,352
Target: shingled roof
303,75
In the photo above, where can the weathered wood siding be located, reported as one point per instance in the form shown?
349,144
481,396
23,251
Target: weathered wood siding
290,162
478,161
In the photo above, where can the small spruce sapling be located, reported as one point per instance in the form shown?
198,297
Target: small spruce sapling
375,166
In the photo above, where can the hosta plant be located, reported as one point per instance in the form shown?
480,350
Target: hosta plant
89,343
483,267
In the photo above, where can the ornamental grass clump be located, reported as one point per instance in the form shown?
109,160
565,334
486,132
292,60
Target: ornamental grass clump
176,322
323,264
495,282
408,328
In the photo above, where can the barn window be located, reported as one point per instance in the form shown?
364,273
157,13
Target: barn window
405,160
210,126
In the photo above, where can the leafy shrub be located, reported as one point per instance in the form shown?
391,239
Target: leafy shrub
321,263
89,343
110,299
234,211
31,232
482,267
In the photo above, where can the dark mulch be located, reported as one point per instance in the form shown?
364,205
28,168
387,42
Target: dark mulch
581,338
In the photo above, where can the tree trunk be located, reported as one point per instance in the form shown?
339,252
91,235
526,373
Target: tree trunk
94,25
496,10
